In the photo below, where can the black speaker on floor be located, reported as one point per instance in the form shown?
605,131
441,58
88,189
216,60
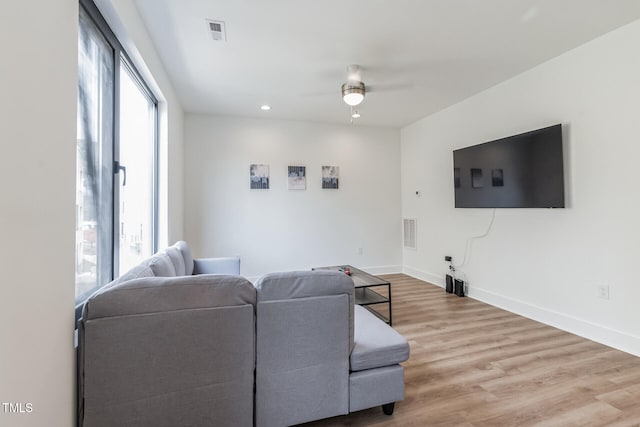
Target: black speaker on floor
459,287
449,287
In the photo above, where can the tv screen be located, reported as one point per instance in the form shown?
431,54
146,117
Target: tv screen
520,171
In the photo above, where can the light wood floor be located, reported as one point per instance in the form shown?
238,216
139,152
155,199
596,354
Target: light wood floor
473,364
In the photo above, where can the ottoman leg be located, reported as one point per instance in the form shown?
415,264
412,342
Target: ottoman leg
388,408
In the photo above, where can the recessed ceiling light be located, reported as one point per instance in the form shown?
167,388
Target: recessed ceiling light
530,14
355,115
265,107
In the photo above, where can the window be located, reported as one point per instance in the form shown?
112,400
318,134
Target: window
94,182
137,153
116,178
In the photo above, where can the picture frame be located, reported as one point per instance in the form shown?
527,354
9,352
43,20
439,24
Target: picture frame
297,177
259,177
331,177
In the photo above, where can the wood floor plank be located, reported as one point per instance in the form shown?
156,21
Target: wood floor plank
475,365
622,398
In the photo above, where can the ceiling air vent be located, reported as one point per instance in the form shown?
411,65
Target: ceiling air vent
217,30
409,233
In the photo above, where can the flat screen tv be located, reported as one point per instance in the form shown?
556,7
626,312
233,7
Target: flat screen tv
520,171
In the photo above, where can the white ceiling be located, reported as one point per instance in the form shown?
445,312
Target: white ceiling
418,56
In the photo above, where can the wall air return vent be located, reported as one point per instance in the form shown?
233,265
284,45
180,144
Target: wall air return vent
410,233
217,30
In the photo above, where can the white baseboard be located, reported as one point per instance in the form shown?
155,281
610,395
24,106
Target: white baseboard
383,269
594,332
423,275
598,333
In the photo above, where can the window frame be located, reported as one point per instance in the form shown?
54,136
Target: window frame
126,62
122,58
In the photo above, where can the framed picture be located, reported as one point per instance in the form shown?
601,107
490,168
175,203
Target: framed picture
330,177
259,177
476,178
297,178
497,178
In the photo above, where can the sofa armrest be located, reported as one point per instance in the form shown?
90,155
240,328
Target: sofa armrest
223,265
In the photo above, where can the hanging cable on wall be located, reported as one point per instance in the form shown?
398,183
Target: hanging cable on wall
469,244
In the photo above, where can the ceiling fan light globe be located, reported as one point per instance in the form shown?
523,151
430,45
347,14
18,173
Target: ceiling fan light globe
353,99
353,94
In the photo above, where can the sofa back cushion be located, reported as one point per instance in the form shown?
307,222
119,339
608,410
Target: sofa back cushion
177,260
303,284
153,294
161,265
168,351
304,332
184,249
140,270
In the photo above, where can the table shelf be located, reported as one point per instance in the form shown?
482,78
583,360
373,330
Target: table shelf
366,296
363,294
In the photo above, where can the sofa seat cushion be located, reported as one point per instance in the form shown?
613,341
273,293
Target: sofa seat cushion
376,344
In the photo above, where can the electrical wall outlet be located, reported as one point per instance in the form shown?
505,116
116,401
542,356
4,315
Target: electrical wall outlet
360,251
603,291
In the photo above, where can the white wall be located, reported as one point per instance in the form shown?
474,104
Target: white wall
38,83
280,229
545,264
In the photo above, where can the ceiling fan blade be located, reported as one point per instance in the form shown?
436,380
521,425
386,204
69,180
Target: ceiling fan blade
318,94
389,87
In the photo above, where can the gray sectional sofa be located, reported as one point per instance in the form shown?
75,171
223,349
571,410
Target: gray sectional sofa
162,346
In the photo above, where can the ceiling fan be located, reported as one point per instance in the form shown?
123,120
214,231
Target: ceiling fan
353,91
